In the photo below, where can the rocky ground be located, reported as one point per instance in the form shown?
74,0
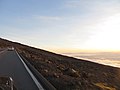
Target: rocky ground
67,73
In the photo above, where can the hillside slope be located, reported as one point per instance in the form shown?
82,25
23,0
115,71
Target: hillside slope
67,73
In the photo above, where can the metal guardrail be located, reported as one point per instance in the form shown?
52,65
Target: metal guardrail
47,85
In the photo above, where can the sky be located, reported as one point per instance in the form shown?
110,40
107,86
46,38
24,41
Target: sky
62,25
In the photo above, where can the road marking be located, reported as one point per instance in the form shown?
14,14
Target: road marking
32,76
2,51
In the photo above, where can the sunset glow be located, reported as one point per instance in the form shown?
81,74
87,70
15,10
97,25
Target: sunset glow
62,25
107,35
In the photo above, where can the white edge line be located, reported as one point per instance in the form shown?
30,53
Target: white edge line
32,76
2,51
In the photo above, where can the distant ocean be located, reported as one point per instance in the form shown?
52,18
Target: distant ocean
106,58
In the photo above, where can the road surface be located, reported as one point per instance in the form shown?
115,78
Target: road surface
11,65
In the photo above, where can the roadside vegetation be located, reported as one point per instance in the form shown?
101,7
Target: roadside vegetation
68,73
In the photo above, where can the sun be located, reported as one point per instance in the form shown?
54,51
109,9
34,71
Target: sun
107,35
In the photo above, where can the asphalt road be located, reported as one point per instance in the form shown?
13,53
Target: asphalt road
11,65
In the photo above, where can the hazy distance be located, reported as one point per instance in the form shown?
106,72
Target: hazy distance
62,25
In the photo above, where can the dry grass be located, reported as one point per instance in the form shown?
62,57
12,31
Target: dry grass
104,86
67,73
